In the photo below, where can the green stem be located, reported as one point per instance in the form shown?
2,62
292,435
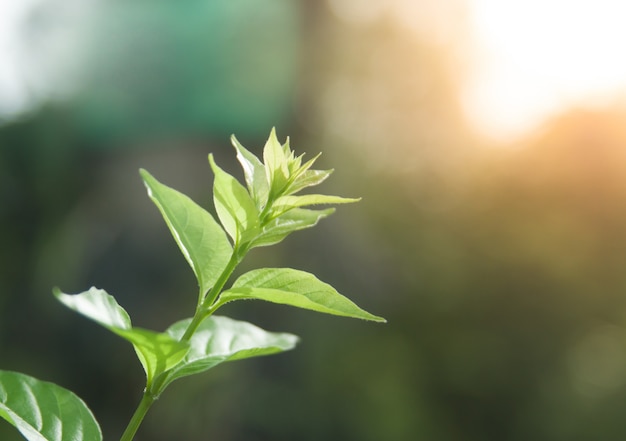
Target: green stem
138,416
204,307
202,311
195,322
266,210
236,257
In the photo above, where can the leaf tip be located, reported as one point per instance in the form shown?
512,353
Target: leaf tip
144,174
56,291
371,318
216,168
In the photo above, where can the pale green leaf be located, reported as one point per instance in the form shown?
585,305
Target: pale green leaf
99,306
286,203
293,220
220,339
44,411
157,352
254,172
295,288
295,162
200,238
235,208
308,178
276,164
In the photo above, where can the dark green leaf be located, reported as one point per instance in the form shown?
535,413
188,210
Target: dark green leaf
43,411
295,288
219,339
157,352
200,238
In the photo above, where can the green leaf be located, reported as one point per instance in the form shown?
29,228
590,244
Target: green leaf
286,203
44,411
295,288
276,164
157,352
97,305
254,172
293,220
220,339
308,178
200,238
234,206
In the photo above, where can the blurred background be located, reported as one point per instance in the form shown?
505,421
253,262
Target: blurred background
487,139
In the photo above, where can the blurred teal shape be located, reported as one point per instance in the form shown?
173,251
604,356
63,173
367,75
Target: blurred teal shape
163,68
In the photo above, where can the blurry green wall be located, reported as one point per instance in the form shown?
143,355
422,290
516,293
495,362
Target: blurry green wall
499,268
193,67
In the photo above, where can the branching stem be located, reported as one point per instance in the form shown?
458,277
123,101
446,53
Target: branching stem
202,311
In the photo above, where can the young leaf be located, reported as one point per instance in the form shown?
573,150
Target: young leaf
254,172
286,203
157,352
219,339
276,165
44,411
295,288
307,178
310,178
293,220
234,206
200,238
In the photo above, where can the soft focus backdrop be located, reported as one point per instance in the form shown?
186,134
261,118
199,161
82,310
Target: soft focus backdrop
491,234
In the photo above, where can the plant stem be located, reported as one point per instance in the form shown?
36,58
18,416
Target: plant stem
140,413
195,322
236,257
202,311
204,307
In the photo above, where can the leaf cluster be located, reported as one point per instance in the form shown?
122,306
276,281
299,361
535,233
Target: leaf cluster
262,212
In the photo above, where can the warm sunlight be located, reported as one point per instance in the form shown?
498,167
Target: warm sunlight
535,58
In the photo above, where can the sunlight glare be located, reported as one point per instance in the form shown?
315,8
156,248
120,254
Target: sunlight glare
535,58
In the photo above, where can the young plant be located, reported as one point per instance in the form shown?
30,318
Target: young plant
262,213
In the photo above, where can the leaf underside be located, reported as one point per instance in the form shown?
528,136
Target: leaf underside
156,351
294,220
219,339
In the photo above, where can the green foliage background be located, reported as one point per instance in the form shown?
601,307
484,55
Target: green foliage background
500,270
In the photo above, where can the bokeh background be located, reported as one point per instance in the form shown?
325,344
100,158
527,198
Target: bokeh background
487,139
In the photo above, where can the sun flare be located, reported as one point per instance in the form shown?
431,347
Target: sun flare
535,58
